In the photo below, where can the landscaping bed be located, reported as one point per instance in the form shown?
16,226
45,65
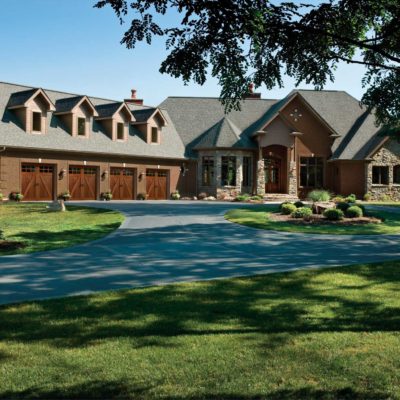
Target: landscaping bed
28,227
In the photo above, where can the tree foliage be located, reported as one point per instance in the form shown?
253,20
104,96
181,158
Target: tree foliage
258,41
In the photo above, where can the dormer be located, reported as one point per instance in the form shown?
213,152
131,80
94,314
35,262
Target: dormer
76,113
150,122
115,119
31,108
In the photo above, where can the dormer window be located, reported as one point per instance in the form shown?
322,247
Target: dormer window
36,122
81,126
154,135
120,131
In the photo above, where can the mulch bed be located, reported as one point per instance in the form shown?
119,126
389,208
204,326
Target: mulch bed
317,219
11,245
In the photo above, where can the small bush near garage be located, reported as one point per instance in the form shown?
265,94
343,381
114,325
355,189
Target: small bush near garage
288,209
302,212
299,204
354,212
351,198
319,195
333,214
343,205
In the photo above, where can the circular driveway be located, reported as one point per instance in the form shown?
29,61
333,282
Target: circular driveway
165,242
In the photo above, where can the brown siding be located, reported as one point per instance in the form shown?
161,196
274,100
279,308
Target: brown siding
11,160
351,178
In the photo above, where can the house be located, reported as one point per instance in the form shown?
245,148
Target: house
52,142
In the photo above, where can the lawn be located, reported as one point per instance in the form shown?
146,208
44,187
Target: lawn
40,230
257,217
321,334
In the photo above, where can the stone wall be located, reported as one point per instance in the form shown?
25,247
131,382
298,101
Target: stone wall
388,155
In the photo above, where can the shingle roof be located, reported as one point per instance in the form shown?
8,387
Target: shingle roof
57,137
142,115
108,110
68,104
193,117
20,98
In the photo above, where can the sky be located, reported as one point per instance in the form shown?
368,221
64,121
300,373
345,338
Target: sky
71,46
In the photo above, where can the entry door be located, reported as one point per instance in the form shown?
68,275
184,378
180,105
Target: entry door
37,182
156,184
122,183
82,182
272,170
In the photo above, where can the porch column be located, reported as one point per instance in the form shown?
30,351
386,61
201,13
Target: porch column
239,173
260,176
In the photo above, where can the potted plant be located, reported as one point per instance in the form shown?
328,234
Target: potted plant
141,196
65,195
16,196
175,195
107,196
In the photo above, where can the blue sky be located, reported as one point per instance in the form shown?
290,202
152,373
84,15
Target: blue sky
70,46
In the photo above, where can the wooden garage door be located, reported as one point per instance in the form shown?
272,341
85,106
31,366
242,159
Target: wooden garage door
156,184
122,183
82,182
37,181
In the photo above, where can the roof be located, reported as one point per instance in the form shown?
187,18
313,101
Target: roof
59,139
20,98
142,115
194,117
108,110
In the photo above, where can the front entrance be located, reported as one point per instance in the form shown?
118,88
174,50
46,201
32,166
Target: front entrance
122,183
37,182
273,173
82,183
156,184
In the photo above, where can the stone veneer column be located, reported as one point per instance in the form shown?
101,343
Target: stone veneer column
239,172
292,182
260,178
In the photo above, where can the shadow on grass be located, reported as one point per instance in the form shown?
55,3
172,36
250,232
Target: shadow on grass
278,305
125,390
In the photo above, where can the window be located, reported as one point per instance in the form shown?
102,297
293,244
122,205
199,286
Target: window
120,131
228,171
37,121
396,174
380,175
82,126
247,171
208,171
311,172
154,135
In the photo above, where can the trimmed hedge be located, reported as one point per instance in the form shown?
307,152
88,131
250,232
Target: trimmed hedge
299,204
288,208
343,205
354,212
302,212
333,214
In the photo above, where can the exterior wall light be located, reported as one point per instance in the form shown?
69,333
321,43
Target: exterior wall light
104,175
184,169
62,174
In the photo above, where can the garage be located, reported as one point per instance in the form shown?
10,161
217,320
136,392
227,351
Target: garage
122,183
156,184
37,182
83,182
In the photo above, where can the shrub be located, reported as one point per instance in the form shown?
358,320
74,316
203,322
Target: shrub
319,195
242,197
333,214
282,204
141,196
302,212
65,195
16,196
367,196
384,197
257,197
299,204
287,209
202,195
354,212
342,206
1,196
338,199
351,198
106,195
175,195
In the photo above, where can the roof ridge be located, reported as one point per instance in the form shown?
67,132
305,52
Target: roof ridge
213,98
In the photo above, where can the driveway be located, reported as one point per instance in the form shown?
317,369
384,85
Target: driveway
164,242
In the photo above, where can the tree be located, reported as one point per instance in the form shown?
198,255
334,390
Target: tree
257,41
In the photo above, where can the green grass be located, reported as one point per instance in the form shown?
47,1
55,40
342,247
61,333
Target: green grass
40,230
322,334
258,217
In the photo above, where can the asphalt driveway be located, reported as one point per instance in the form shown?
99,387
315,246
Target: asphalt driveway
164,242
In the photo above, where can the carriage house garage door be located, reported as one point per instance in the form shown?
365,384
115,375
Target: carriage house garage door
122,183
83,182
156,184
37,182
